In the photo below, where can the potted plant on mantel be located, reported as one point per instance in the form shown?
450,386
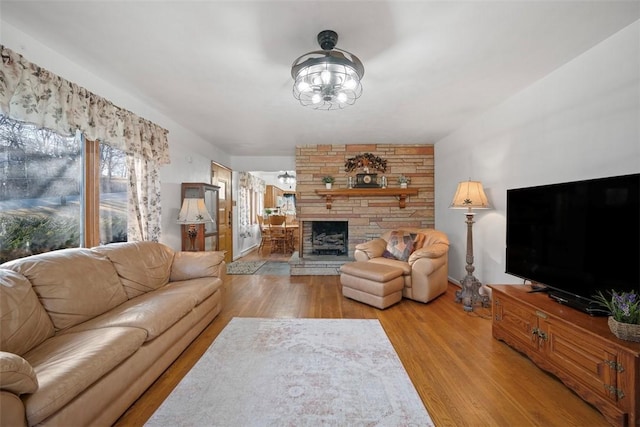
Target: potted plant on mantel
404,181
328,181
624,308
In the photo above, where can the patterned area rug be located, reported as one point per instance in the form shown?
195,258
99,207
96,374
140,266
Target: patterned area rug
244,267
302,372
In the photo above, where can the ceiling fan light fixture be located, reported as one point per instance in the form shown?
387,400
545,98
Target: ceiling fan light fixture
327,79
285,178
304,86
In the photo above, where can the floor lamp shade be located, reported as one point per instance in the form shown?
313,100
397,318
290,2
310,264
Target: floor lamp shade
470,195
192,213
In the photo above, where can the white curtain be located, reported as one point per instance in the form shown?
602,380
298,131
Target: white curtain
35,95
247,184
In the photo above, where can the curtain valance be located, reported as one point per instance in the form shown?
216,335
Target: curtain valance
33,94
251,182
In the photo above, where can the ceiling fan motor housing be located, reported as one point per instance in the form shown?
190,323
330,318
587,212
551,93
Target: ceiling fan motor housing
327,39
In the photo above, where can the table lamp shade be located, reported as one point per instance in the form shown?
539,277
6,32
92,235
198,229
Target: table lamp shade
193,211
470,194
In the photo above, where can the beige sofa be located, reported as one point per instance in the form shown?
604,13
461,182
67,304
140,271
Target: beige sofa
425,272
84,332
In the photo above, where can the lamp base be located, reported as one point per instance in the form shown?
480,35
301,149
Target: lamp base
192,232
469,295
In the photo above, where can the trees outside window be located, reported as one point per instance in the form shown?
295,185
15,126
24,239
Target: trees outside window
113,194
55,190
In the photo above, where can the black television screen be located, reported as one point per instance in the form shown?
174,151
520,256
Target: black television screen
576,238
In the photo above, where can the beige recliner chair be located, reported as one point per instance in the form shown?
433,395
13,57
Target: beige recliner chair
425,272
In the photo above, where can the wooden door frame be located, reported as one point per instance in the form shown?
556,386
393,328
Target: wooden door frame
230,211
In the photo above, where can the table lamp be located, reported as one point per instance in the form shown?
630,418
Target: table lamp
192,213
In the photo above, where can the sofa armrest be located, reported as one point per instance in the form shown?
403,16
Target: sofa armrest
434,251
371,249
193,265
13,411
426,266
16,374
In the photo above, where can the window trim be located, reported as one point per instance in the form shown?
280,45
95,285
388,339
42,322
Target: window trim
91,205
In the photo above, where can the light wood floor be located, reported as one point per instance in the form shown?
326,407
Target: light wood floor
463,375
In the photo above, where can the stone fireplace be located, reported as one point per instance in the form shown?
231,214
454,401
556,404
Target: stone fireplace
366,217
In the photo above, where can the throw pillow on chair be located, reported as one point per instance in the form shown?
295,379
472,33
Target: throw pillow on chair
399,246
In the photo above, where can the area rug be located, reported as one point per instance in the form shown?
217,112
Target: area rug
296,372
244,267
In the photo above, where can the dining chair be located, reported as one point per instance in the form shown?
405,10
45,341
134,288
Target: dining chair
279,237
292,230
291,219
265,232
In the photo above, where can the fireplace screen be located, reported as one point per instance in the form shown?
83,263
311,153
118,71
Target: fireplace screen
329,237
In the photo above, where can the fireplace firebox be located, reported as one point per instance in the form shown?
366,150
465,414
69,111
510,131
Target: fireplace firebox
329,237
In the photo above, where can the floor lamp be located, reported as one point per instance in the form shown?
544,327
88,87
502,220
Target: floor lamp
193,213
470,195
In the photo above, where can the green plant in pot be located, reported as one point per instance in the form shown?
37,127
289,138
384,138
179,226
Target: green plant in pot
404,181
624,308
328,180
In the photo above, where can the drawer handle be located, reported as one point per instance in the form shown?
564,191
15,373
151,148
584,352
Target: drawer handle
614,365
540,333
614,391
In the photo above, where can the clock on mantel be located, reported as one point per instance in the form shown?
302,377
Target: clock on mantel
366,180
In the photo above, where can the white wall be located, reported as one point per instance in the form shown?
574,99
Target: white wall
264,163
191,156
581,121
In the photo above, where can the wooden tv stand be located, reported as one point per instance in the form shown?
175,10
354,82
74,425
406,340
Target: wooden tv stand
577,348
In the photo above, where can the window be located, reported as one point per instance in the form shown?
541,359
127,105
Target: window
113,195
48,192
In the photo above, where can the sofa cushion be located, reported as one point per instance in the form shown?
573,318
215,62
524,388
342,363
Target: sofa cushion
197,289
16,374
399,245
73,285
142,266
155,312
69,363
191,265
23,321
403,265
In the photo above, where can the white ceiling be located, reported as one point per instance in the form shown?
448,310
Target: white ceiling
222,68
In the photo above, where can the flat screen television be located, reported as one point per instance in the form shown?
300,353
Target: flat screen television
576,238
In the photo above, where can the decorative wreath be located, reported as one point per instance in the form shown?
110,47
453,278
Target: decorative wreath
366,160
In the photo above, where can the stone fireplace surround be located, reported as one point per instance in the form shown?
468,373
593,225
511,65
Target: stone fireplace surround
367,217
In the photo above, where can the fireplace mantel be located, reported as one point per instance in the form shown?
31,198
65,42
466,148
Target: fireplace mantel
400,193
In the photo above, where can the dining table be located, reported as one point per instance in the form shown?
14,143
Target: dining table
291,230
